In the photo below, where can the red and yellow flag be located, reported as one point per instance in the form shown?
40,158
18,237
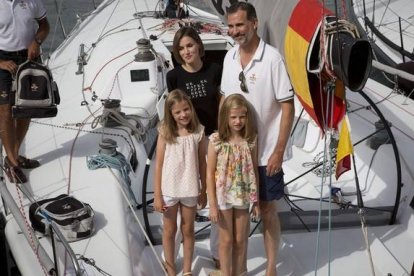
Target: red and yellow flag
344,150
302,30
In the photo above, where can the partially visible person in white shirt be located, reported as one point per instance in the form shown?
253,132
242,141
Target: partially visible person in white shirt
23,28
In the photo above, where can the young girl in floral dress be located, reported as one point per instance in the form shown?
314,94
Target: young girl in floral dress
232,182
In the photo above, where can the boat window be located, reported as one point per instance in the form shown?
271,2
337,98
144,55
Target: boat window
139,75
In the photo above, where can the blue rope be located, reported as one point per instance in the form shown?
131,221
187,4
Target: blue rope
116,161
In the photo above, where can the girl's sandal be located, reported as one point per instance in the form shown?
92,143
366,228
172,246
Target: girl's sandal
215,273
216,263
164,264
188,274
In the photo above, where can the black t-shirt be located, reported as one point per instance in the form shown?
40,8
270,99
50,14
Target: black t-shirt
203,89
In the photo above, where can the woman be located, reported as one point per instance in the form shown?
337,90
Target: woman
200,80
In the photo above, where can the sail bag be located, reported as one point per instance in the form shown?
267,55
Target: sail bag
36,94
73,217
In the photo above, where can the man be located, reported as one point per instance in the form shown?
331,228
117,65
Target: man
23,28
256,70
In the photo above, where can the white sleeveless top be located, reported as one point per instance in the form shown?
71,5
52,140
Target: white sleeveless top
180,172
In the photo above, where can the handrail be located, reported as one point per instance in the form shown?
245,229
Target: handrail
67,247
144,192
396,155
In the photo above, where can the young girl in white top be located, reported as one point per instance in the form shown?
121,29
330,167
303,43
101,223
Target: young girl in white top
180,167
232,182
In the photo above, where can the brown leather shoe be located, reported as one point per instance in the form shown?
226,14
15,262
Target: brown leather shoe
14,173
27,163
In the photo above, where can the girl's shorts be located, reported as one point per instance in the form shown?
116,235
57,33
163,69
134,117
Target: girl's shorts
187,201
229,206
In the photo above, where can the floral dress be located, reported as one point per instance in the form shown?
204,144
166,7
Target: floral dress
235,177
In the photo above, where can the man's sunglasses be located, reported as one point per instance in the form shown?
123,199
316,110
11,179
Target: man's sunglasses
242,80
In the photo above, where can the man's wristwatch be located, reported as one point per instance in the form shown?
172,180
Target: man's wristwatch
38,41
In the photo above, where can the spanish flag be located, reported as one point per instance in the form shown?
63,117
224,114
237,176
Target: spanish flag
302,49
344,150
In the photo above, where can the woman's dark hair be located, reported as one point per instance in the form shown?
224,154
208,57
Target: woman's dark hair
182,32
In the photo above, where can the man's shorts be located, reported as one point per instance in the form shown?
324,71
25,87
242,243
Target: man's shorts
271,187
186,201
6,78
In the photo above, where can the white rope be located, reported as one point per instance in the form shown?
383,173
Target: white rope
320,214
365,233
392,70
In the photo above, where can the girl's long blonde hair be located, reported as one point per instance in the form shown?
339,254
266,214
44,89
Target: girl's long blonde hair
231,102
168,127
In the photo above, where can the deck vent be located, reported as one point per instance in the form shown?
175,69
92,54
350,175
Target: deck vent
380,137
144,51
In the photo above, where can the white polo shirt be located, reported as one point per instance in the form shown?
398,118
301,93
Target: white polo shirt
268,84
18,24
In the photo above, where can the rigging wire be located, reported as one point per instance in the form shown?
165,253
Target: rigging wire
329,108
66,126
327,87
109,18
91,262
72,149
58,19
365,119
105,64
